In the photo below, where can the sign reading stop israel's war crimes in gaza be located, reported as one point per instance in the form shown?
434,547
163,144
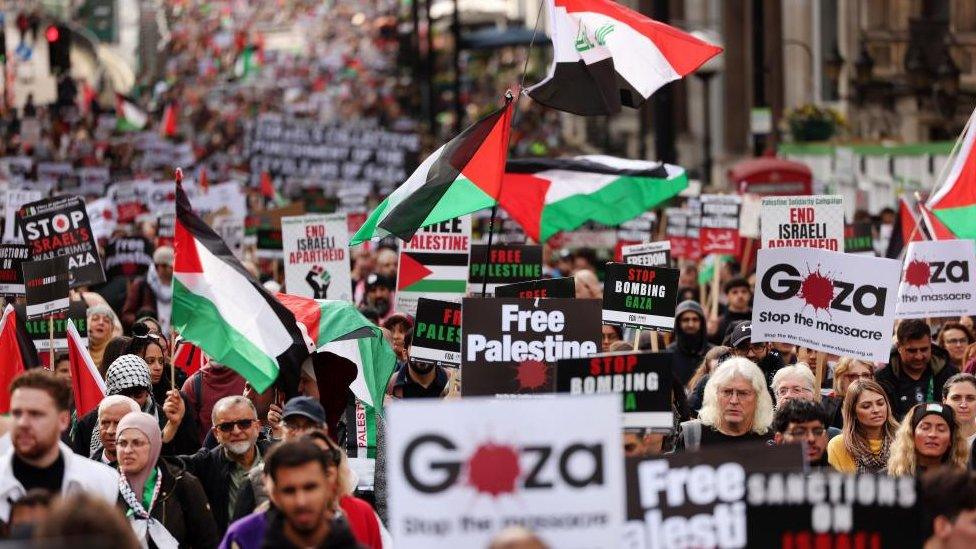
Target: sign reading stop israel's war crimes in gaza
59,227
829,301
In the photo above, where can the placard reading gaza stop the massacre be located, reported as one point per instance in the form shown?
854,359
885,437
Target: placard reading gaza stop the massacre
510,346
643,380
937,279
649,254
461,471
316,253
640,297
803,222
829,301
437,333
59,227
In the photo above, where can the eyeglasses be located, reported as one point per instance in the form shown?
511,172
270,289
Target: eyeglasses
797,390
956,341
242,424
740,394
803,433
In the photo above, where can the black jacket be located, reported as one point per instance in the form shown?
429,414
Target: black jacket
687,353
897,385
185,441
213,469
183,509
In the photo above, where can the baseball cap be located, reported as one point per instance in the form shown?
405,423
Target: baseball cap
741,333
304,406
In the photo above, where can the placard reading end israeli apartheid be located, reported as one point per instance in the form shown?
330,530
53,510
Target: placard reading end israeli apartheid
640,297
46,283
509,263
546,287
316,256
649,254
643,380
803,222
437,333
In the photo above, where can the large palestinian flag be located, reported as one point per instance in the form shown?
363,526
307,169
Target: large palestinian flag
954,203
546,196
607,55
219,307
461,177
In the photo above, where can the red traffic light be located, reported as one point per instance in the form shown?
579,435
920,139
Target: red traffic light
52,33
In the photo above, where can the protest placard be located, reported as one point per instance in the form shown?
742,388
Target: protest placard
437,333
858,239
93,180
165,229
640,297
38,328
11,274
937,279
459,473
128,256
803,222
509,263
638,229
719,231
316,253
434,264
59,227
14,200
60,174
46,286
676,231
643,380
649,254
546,287
510,345
829,301
749,215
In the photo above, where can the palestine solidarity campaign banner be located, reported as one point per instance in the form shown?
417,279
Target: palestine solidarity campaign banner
839,303
649,254
510,345
487,464
937,279
316,251
59,227
437,333
434,264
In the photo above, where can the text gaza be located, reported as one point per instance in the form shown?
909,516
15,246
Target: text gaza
865,299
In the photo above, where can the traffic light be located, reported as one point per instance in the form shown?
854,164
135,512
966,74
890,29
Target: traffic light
58,48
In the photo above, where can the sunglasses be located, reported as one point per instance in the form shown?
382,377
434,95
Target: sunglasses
242,424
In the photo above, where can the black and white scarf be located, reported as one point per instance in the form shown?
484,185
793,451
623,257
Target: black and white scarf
143,524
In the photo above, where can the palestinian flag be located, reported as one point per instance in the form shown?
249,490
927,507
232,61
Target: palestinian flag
546,196
607,55
432,272
905,230
11,363
129,117
168,126
219,307
462,176
954,203
87,386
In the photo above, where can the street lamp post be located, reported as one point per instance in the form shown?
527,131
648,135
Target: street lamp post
705,74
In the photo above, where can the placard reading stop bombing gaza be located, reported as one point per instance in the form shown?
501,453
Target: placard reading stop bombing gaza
937,279
59,227
803,222
640,297
829,301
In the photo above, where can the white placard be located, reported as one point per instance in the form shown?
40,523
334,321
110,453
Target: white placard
434,264
829,301
649,254
937,279
803,222
460,471
15,199
316,253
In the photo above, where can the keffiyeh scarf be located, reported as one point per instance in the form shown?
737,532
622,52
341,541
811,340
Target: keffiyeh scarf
145,526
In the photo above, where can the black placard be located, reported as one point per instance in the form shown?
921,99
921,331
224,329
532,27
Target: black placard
37,329
508,264
59,227
437,333
546,287
46,285
858,238
128,256
11,274
643,381
635,296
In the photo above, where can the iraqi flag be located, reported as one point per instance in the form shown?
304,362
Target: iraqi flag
129,117
546,196
463,176
219,307
953,205
606,55
87,386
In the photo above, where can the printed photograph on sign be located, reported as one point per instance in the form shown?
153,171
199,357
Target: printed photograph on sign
510,346
316,256
437,334
434,264
462,471
937,279
803,222
508,263
839,303
640,297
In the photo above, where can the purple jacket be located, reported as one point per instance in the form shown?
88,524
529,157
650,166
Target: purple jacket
246,533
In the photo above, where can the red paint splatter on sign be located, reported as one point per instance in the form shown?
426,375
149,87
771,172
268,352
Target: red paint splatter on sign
494,469
917,273
817,290
531,375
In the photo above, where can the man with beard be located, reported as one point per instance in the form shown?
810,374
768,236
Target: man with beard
415,379
738,294
379,295
223,470
40,408
917,370
691,342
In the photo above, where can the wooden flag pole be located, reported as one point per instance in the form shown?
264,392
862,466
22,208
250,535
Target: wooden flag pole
747,257
637,333
819,372
172,364
716,265
50,341
491,232
654,345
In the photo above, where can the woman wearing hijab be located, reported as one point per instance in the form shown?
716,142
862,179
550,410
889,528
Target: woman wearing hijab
166,506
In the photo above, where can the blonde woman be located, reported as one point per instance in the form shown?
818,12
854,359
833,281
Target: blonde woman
928,438
959,392
869,429
847,371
